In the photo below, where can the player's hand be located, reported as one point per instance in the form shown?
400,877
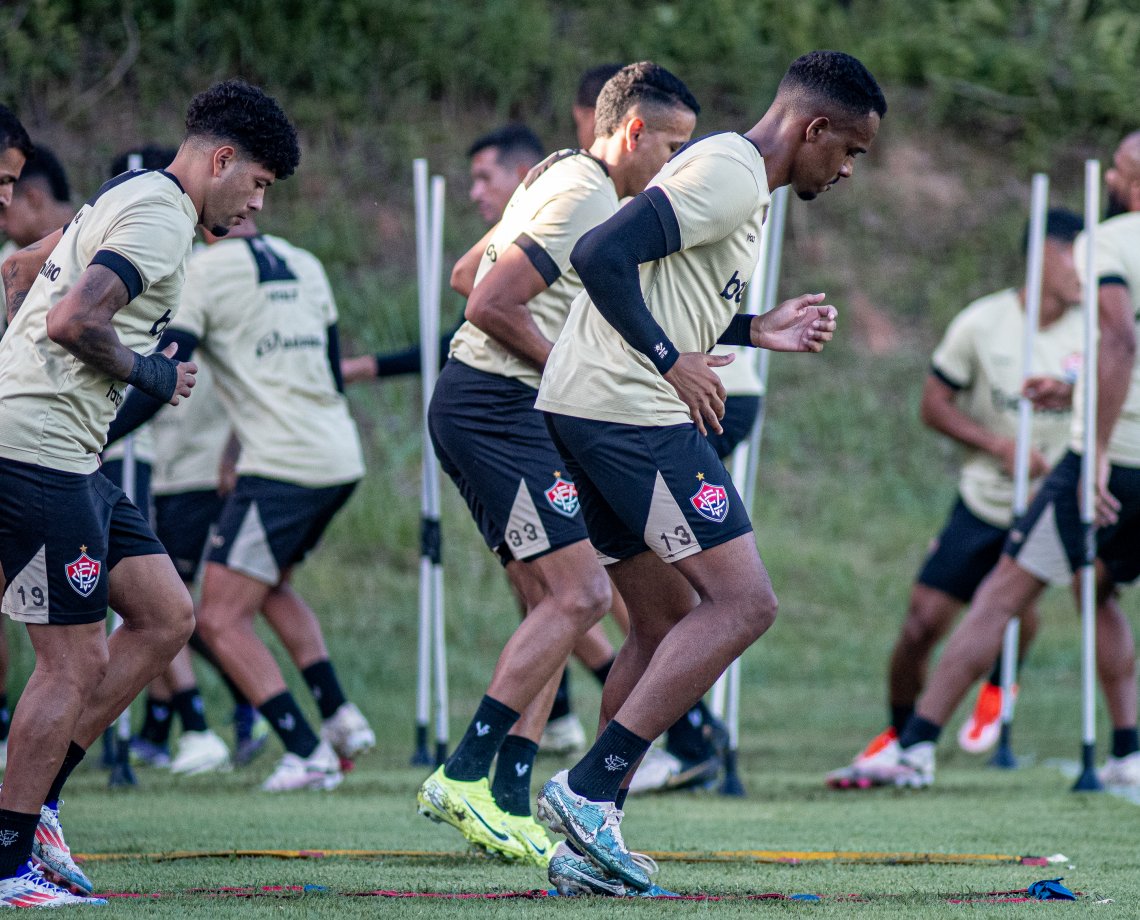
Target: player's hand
186,374
1006,452
1107,505
1048,393
355,369
804,323
700,388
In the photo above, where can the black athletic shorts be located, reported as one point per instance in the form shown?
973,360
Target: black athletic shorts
1048,541
646,487
113,470
60,535
182,522
494,445
739,416
267,526
963,554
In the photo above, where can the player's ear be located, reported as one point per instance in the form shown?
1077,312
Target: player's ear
633,130
222,157
816,128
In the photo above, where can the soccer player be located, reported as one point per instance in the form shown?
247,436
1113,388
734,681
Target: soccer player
494,446
629,392
92,301
971,396
1047,543
263,312
586,100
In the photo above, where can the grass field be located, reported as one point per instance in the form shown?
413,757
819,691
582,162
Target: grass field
850,491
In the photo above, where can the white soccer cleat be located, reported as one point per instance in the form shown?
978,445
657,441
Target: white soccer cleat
320,770
915,768
1121,771
348,732
880,755
563,735
31,889
200,752
52,856
657,768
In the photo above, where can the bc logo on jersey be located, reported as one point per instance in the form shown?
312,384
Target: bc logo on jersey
711,501
563,496
83,573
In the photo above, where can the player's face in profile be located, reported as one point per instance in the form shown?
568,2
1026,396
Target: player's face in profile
828,153
11,165
1059,271
18,221
1118,185
492,184
238,191
664,132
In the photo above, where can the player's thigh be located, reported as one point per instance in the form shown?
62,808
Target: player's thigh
229,595
1118,546
657,595
182,523
1048,540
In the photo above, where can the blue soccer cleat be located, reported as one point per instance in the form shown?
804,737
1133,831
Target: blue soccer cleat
594,827
52,856
572,875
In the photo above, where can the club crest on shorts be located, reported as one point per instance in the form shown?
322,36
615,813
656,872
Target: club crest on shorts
563,496
83,573
710,500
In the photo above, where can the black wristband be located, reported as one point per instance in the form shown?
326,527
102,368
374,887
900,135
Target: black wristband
156,375
664,355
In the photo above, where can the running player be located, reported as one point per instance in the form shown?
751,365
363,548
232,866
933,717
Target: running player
1047,543
629,392
263,312
94,301
971,396
493,444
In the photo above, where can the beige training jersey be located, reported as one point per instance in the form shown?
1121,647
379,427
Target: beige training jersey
741,377
261,309
190,438
143,441
981,356
1117,259
54,409
565,195
719,193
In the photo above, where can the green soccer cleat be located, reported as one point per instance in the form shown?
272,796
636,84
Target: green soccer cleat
532,837
471,810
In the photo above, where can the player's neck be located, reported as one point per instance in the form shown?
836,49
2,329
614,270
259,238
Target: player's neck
772,136
1051,308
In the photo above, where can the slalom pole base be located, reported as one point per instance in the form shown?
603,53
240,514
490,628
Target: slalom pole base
121,772
440,753
420,756
1003,757
1088,781
731,784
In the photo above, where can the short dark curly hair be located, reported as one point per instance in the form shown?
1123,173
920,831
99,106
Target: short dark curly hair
12,133
835,78
639,84
44,165
245,115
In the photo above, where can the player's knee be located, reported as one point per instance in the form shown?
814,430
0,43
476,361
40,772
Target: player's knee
589,599
759,613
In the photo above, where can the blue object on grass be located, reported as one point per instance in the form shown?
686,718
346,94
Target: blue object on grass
1050,889
803,897
315,888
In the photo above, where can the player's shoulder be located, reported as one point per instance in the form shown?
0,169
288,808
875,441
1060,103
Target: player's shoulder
989,309
139,187
297,259
568,165
1121,227
720,145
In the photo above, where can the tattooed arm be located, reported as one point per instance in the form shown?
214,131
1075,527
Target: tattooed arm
21,268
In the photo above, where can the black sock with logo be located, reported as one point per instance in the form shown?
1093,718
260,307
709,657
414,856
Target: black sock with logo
598,776
561,707
157,721
511,787
191,710
603,671
471,760
320,678
687,738
900,715
17,833
285,717
918,730
5,717
71,760
1124,742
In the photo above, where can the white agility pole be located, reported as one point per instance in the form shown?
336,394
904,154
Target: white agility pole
430,649
1088,781
760,297
1035,261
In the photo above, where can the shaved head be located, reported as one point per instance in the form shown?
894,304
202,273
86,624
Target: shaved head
1122,178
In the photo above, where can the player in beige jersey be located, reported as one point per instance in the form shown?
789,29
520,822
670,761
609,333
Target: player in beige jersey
1047,543
628,391
972,396
93,300
495,447
263,312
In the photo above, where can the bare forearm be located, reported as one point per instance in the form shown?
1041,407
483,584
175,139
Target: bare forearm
514,328
1114,375
955,424
81,322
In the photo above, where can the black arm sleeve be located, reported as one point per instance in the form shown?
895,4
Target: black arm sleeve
334,357
138,408
607,259
407,361
739,331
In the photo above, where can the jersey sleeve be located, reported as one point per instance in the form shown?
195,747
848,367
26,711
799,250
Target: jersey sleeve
549,236
955,358
146,242
193,309
1110,261
711,196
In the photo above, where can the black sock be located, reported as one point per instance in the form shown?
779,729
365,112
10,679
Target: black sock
619,799
511,788
5,717
1124,742
561,705
18,831
191,710
156,723
687,739
283,713
599,774
70,761
900,715
198,644
480,743
918,730
603,671
995,671
320,678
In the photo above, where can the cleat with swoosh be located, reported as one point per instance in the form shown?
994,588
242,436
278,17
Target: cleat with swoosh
528,832
471,810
